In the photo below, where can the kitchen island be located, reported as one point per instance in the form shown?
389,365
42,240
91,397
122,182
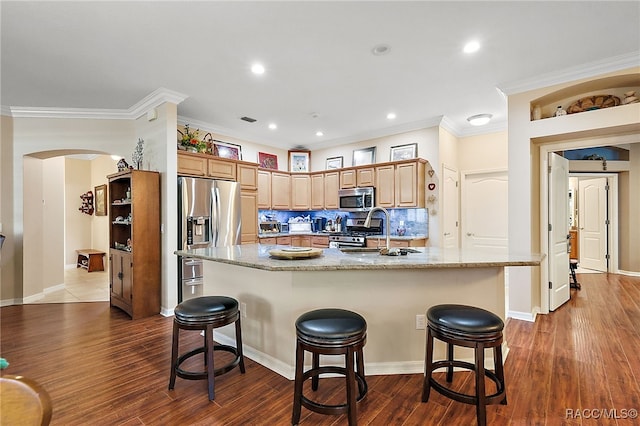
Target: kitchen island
389,291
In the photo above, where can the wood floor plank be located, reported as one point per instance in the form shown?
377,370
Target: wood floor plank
102,368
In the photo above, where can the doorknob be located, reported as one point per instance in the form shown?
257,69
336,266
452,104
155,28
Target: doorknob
447,233
469,234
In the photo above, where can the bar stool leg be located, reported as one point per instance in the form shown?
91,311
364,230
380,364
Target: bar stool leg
497,356
450,359
315,364
351,388
360,368
428,363
481,402
239,344
297,391
174,355
209,354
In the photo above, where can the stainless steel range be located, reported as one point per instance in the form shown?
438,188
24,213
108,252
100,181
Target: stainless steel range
355,234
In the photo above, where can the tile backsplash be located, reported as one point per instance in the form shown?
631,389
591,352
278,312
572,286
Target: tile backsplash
414,221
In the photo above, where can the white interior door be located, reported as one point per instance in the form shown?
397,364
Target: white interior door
559,289
450,208
485,211
592,223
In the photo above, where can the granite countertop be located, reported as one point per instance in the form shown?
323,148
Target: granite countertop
257,256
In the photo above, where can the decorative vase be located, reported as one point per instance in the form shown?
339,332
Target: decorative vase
537,112
190,149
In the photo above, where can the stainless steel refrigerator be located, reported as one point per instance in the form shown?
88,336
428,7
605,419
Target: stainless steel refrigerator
209,216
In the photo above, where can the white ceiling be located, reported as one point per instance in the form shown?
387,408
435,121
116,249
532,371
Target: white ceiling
111,55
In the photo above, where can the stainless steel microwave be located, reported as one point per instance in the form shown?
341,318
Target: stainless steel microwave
356,199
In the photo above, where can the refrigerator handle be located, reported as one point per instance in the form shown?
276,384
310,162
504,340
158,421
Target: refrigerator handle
217,214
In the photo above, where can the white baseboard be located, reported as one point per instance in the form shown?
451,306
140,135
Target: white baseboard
166,312
10,302
629,273
523,316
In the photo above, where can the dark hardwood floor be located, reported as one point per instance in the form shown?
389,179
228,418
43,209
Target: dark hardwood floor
101,368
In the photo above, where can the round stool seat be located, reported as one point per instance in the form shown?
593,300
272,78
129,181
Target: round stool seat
464,319
325,325
205,308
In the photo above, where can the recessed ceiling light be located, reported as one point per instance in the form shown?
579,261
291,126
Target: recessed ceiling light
479,120
257,69
472,46
273,126
319,133
381,49
391,116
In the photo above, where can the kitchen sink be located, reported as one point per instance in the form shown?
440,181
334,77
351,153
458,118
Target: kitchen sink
359,249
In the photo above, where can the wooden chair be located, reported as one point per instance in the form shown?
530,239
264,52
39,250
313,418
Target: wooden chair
23,402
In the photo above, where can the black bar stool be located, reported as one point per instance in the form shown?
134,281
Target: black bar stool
330,332
470,327
205,313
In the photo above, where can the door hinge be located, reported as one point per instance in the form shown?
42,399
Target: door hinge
550,285
606,222
456,184
606,256
606,187
550,228
549,169
456,223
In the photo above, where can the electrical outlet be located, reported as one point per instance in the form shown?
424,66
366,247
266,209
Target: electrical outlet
243,309
421,322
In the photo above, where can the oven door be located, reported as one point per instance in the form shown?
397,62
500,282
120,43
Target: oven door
341,244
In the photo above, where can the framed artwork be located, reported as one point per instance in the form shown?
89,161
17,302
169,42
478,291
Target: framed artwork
268,161
299,161
101,200
364,156
227,150
334,163
404,152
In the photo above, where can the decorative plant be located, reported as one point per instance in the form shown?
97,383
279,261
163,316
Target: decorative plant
137,153
190,139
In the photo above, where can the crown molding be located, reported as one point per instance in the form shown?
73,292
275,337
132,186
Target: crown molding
493,127
612,64
5,110
154,99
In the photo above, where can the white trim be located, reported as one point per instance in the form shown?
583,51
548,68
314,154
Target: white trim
54,288
628,273
32,298
5,110
603,66
166,312
152,100
10,302
523,316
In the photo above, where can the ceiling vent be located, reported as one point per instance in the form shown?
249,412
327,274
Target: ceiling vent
248,119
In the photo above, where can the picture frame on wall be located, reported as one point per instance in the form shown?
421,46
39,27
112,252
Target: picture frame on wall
101,200
299,161
403,152
268,161
362,157
334,163
227,150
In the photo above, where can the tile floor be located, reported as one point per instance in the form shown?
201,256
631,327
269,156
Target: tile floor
80,286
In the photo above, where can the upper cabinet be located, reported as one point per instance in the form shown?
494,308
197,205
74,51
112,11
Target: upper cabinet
317,191
401,184
357,177
247,176
280,190
300,192
331,187
264,189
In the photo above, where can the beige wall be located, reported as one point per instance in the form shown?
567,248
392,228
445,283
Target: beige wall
483,152
629,213
8,268
33,233
77,225
53,222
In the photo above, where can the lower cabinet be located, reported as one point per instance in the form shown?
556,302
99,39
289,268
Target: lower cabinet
320,242
121,280
380,242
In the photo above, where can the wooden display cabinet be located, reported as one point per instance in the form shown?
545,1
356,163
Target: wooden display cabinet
134,241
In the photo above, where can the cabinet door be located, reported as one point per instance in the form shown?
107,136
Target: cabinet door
300,192
248,177
406,185
300,241
317,191
331,187
264,189
348,179
285,241
270,241
115,273
319,241
280,191
366,176
385,186
127,279
222,169
249,214
191,165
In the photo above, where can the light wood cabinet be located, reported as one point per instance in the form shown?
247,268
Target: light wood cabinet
401,184
284,241
134,241
348,179
247,176
268,241
264,189
331,187
385,186
317,191
192,165
221,169
319,241
300,192
300,241
381,241
249,215
573,240
366,176
280,191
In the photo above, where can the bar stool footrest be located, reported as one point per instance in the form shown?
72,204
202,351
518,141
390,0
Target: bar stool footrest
197,375
497,397
331,409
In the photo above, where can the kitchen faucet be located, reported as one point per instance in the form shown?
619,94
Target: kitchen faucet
367,223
